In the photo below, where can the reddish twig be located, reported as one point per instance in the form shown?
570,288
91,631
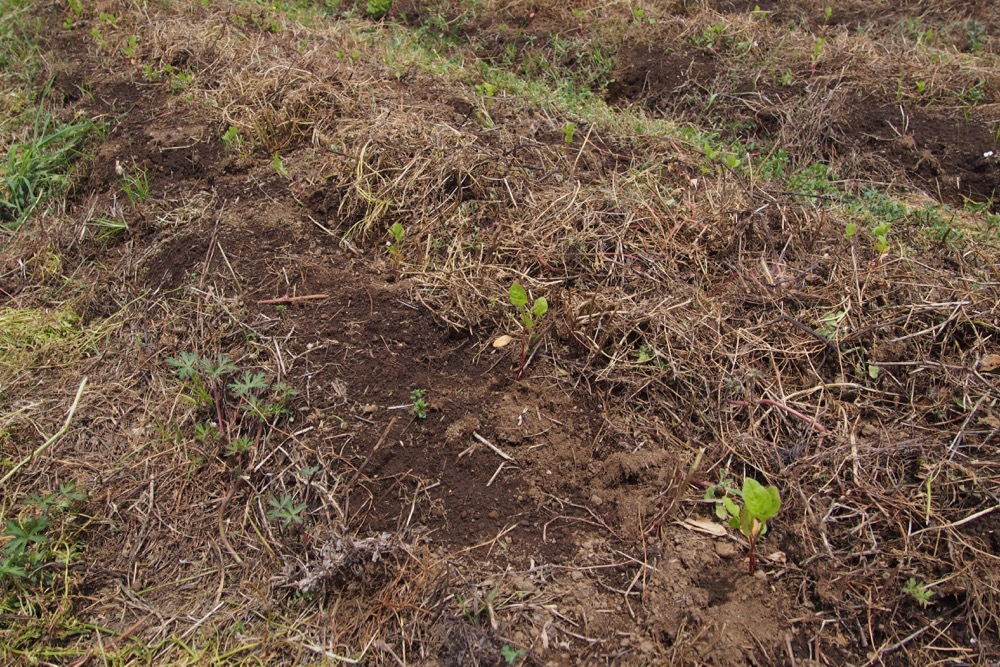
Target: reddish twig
792,411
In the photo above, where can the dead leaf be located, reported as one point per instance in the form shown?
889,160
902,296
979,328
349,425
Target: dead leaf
502,341
990,363
706,526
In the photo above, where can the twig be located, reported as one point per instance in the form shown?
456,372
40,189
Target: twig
51,441
898,645
292,299
792,411
500,452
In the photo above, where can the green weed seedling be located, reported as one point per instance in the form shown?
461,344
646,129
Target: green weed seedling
395,246
34,544
284,510
377,9
760,503
511,655
135,184
279,165
231,138
528,318
918,591
35,169
244,409
420,404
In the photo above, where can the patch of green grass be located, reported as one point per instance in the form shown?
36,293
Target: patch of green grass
40,167
29,337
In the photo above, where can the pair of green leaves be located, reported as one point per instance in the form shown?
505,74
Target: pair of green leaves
760,503
528,316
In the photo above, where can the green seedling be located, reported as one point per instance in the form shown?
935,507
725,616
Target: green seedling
528,318
244,409
760,503
881,233
279,165
395,246
569,130
921,86
231,139
35,169
376,9
30,550
827,13
285,511
850,230
511,655
135,184
420,404
132,48
918,591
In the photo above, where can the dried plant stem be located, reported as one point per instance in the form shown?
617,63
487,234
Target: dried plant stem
55,437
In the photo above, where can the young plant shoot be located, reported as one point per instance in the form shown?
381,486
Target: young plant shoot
760,503
528,318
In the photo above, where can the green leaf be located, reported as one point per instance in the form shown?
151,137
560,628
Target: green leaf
540,307
397,231
873,371
761,502
731,506
850,230
518,296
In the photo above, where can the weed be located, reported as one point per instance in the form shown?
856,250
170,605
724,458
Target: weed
376,9
975,32
134,183
827,13
131,49
569,129
921,86
711,37
284,510
108,227
231,138
39,167
420,404
245,412
395,246
30,550
760,503
510,654
918,591
279,165
527,317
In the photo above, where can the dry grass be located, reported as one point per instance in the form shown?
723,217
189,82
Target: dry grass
705,310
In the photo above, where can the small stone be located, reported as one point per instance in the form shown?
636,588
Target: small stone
493,514
725,549
597,500
576,575
369,409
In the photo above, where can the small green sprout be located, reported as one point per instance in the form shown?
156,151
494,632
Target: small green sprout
279,165
395,247
284,510
420,404
378,8
135,184
760,503
828,13
569,130
881,233
528,318
918,591
231,138
510,654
